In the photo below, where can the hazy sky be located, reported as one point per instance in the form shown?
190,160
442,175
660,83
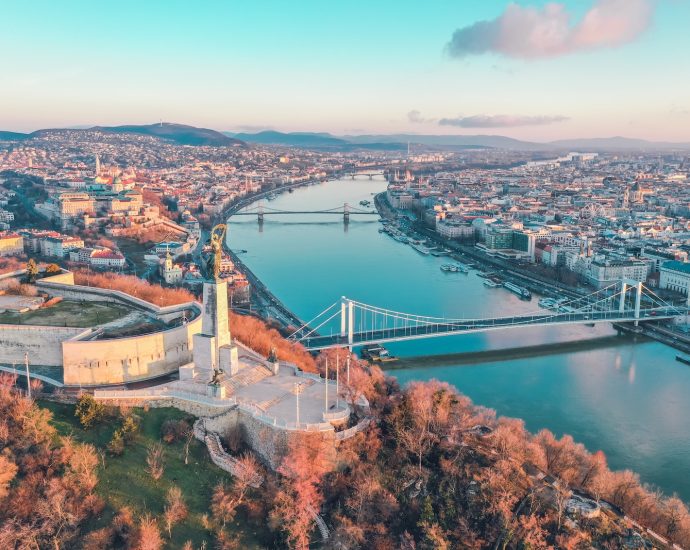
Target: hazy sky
531,69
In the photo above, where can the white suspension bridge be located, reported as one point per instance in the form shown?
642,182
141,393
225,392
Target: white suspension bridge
362,324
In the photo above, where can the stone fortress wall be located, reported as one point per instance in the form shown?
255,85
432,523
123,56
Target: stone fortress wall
87,361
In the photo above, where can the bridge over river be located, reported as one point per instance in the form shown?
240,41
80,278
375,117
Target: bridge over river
362,324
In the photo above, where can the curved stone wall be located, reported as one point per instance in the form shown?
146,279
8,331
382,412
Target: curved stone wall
87,361
120,360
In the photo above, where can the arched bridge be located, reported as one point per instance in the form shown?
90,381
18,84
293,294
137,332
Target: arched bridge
362,324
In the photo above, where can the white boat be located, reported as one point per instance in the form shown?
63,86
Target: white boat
491,284
420,248
518,290
547,303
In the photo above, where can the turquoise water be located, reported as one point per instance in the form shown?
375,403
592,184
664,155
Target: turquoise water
628,399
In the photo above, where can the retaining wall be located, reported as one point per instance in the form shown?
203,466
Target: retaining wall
119,360
43,344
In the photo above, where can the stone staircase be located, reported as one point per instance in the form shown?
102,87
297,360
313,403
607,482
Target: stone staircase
225,461
247,376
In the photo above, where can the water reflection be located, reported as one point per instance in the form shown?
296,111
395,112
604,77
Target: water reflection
628,399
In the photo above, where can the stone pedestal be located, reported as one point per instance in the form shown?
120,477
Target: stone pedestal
205,352
215,390
214,320
187,372
229,360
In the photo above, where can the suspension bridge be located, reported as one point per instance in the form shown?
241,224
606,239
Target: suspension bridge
345,211
362,324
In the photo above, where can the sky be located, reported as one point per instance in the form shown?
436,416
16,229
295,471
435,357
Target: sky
529,69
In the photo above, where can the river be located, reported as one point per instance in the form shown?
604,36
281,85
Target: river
628,398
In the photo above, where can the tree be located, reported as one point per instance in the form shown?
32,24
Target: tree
149,535
31,270
89,411
8,470
175,509
300,495
53,269
155,460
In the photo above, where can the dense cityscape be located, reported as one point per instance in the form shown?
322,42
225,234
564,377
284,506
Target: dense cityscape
347,276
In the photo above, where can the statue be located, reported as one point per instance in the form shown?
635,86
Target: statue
212,262
215,381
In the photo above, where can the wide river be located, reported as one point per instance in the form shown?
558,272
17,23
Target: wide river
630,399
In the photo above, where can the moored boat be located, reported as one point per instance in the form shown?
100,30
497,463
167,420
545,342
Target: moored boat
518,290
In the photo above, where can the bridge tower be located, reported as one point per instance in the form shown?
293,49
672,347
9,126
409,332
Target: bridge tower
260,214
346,212
638,301
347,320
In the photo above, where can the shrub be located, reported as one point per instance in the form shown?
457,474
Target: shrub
89,411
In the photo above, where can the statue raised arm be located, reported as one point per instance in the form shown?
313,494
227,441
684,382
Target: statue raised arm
212,263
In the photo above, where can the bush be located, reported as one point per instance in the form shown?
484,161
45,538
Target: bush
89,411
174,430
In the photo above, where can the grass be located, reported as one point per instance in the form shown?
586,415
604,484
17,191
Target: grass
68,314
124,481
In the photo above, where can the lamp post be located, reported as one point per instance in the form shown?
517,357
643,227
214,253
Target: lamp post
297,392
28,377
326,384
337,380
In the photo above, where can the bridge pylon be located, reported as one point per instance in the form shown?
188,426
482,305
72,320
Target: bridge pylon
346,212
260,214
347,320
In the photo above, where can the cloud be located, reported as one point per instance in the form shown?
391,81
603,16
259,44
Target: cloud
415,117
500,121
529,32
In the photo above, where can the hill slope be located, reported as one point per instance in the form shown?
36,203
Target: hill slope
178,133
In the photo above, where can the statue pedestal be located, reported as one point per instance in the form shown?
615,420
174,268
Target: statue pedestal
214,321
212,347
215,390
228,359
205,352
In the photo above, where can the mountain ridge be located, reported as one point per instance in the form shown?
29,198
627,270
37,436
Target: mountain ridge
183,134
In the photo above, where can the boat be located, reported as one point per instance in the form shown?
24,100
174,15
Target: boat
462,268
547,303
491,284
291,190
420,248
518,290
448,268
364,203
376,352
683,360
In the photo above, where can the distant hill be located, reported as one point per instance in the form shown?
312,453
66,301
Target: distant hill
459,141
178,133
190,135
12,136
313,140
616,144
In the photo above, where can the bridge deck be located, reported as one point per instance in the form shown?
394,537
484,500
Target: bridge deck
428,329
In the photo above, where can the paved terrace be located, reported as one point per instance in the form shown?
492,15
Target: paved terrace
255,387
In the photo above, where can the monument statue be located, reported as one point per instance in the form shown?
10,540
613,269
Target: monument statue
212,262
215,381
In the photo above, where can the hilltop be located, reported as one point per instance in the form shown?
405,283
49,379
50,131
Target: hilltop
180,134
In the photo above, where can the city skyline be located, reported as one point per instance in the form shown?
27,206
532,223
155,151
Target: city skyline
531,70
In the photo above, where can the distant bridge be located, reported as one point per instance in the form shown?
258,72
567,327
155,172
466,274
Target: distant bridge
345,211
370,175
362,324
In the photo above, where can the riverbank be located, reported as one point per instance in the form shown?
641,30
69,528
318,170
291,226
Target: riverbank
522,352
625,396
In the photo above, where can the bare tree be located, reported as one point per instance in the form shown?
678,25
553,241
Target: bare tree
155,461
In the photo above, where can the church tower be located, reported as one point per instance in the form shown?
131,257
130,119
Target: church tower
98,166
